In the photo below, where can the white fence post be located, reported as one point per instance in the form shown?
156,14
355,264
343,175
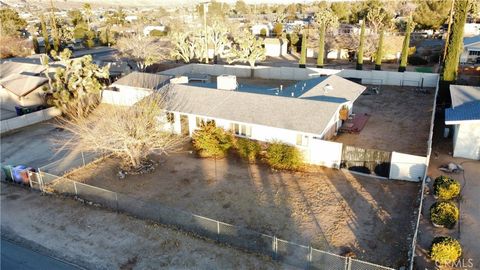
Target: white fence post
83,159
75,187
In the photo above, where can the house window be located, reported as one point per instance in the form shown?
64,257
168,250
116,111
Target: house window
170,118
241,130
302,140
474,53
199,121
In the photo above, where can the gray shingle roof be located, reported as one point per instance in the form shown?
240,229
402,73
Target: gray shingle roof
142,80
21,85
465,104
332,88
310,116
10,68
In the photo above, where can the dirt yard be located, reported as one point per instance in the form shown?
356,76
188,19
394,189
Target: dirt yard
329,209
399,121
94,238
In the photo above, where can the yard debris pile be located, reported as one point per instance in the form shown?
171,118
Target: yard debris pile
451,168
147,166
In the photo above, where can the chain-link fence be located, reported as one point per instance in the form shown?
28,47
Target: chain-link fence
70,162
284,251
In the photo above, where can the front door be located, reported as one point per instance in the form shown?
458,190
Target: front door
184,125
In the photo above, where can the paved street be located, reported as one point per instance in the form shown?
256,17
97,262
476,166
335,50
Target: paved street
17,257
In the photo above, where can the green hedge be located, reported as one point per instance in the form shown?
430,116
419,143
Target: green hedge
446,188
248,149
445,250
283,156
212,141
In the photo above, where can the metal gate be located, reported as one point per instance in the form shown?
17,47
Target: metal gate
369,161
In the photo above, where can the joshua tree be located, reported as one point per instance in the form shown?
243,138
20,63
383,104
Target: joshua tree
76,86
303,53
360,47
455,41
247,49
45,35
406,44
379,54
325,18
145,51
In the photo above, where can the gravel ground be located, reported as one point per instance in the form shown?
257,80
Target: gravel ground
99,239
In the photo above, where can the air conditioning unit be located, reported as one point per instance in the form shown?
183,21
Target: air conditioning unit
227,82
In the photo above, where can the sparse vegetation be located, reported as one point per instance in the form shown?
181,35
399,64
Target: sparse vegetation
445,250
283,156
212,141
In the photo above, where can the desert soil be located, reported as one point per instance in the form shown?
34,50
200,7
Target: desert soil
95,238
399,121
329,209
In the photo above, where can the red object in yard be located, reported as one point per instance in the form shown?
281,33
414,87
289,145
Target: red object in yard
356,124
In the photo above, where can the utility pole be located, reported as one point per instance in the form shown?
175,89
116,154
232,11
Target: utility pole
205,9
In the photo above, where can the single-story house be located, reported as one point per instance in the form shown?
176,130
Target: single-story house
276,46
304,115
149,28
22,90
464,116
471,50
8,68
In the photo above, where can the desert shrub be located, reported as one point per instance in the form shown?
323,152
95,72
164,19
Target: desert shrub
212,141
444,213
283,156
446,188
248,149
445,250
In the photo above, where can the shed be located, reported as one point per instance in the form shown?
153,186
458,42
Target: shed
464,116
22,90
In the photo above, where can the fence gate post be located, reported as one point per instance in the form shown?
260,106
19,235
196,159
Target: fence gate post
274,247
40,180
218,230
309,257
83,159
75,187
348,265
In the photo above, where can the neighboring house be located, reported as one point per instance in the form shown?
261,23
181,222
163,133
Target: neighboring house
276,46
20,66
22,90
471,29
131,18
117,68
149,28
471,50
257,29
464,116
313,113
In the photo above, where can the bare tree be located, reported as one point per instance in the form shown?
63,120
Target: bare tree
130,133
144,50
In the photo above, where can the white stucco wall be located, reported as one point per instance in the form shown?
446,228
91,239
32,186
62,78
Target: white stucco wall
467,140
126,96
317,151
407,167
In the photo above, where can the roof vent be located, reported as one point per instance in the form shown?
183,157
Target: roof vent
327,88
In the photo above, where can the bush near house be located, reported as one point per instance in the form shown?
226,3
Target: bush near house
445,250
248,149
446,188
283,156
212,141
444,213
